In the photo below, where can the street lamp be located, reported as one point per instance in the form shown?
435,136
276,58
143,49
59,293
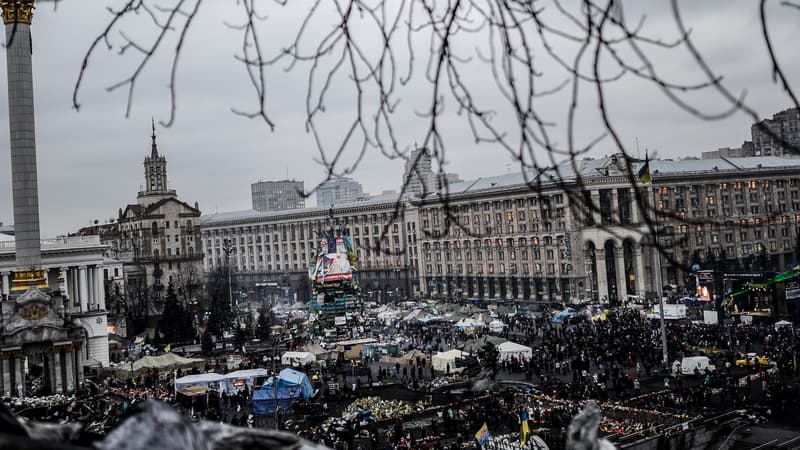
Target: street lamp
227,247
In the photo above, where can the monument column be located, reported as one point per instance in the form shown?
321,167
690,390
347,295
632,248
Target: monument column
17,16
84,291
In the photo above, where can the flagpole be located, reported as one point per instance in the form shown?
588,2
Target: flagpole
659,282
645,177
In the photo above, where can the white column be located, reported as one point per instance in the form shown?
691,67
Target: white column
101,292
91,288
20,376
70,364
637,255
58,383
616,212
5,283
6,360
622,282
68,301
597,216
634,207
602,274
84,289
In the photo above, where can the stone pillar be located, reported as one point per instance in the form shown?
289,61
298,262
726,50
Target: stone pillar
595,195
6,362
75,287
616,212
622,282
5,284
101,292
67,298
69,361
634,206
91,287
58,382
80,360
602,274
84,289
639,261
19,374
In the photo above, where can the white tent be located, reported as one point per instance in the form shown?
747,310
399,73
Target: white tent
297,358
782,323
510,350
496,326
441,360
209,380
243,379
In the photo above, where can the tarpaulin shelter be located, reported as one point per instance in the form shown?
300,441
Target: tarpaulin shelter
510,350
474,345
167,361
281,391
560,316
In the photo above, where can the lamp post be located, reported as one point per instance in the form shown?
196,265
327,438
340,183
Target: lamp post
227,247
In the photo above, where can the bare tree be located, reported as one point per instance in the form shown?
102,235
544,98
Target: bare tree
531,49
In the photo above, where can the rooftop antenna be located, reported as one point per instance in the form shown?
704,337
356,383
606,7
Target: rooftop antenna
638,155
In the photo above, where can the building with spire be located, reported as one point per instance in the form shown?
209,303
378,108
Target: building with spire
158,238
53,317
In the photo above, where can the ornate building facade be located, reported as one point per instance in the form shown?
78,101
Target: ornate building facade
159,234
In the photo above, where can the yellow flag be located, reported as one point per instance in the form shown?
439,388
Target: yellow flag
168,348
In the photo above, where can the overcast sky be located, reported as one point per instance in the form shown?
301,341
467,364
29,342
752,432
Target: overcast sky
90,162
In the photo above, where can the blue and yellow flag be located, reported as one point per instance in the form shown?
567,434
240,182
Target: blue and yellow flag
644,171
483,434
526,430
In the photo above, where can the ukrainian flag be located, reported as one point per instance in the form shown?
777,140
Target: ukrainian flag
644,171
526,430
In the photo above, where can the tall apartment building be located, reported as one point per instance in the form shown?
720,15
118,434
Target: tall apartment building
419,177
339,190
277,195
783,137
496,238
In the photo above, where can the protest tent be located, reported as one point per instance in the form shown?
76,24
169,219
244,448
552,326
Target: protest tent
442,360
782,323
288,386
165,362
508,350
297,358
243,379
207,380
